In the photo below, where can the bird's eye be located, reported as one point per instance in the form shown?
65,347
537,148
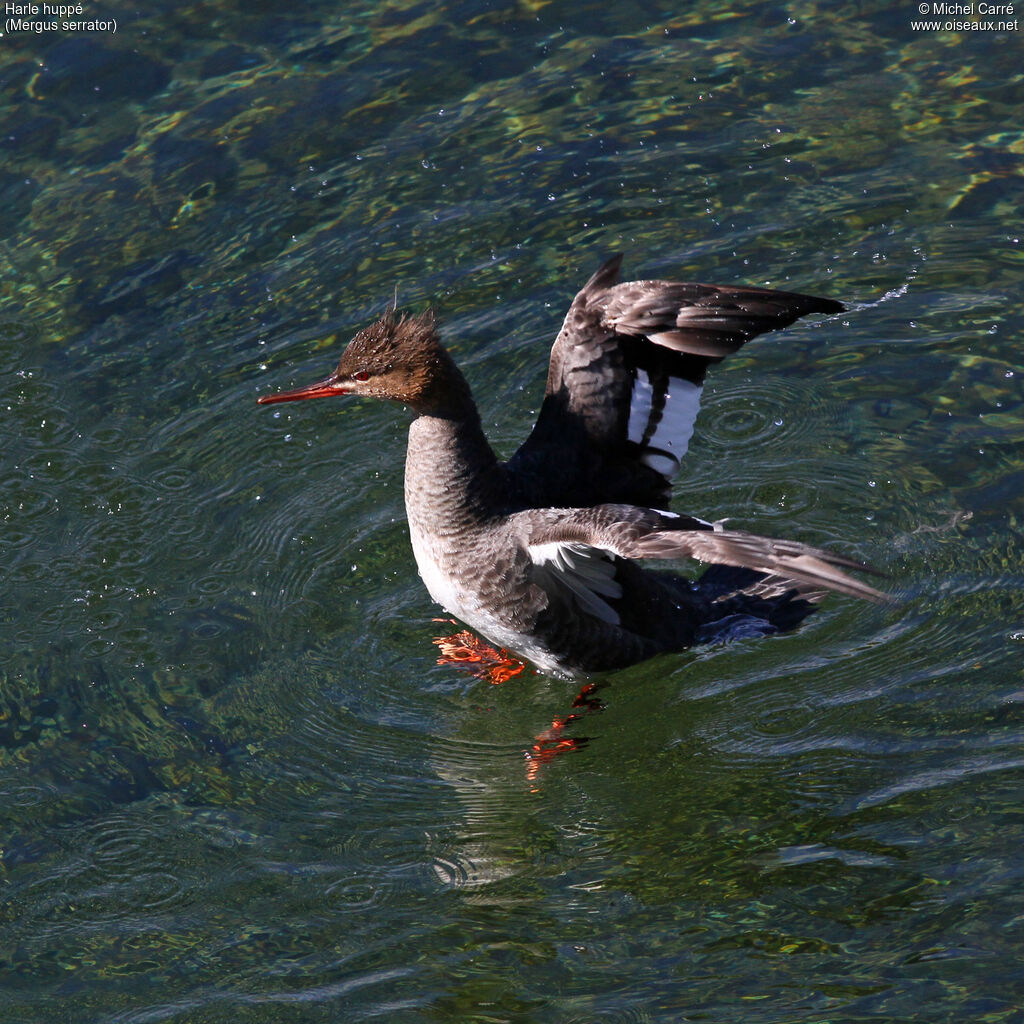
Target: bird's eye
361,376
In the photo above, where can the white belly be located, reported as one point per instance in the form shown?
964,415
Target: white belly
442,587
464,603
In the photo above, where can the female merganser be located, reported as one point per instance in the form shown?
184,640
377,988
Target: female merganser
541,554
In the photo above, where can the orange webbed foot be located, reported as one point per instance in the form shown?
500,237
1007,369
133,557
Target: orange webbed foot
480,659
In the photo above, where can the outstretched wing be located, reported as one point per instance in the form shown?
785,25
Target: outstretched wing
576,547
625,379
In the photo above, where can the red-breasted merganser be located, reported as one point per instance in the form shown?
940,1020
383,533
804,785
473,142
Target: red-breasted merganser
541,554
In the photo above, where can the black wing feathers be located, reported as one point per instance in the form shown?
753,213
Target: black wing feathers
624,381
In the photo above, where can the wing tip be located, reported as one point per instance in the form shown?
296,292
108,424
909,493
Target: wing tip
606,275
802,563
828,306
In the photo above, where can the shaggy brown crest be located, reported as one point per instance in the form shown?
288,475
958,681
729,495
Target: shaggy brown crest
400,357
380,342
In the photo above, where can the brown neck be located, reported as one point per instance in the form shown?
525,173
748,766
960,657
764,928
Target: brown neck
443,391
451,474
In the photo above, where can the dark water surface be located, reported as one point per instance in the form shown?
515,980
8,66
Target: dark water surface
234,784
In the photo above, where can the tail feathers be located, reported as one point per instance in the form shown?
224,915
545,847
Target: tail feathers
743,603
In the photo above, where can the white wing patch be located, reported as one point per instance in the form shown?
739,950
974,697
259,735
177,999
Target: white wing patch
586,572
666,465
717,527
640,404
661,420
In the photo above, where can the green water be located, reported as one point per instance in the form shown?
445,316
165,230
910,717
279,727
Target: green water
234,784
